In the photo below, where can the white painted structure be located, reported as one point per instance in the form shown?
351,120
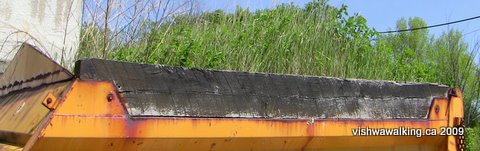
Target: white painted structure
51,25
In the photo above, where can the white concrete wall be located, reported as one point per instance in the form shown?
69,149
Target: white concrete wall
51,25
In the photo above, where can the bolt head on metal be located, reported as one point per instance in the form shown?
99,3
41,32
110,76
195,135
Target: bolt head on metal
437,108
49,100
109,97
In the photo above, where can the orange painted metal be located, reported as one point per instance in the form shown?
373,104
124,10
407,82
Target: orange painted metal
455,115
92,117
44,108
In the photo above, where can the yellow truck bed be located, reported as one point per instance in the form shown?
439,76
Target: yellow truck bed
109,105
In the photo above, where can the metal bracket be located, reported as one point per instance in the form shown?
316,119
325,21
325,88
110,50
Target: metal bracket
50,101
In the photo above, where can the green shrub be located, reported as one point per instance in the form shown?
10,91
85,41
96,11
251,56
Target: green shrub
472,139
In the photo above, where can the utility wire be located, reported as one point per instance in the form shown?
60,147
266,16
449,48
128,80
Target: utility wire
437,25
471,32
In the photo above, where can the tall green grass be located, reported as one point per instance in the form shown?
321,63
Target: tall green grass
315,40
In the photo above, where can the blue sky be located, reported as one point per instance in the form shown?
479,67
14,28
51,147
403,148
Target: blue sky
382,15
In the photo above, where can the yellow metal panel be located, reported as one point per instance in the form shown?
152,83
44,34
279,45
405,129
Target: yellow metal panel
6,147
28,80
121,126
438,109
232,144
21,112
92,118
250,133
455,115
91,98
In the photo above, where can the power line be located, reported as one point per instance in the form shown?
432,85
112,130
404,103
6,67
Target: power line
471,32
437,25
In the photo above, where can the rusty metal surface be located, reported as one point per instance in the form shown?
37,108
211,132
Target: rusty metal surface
30,78
155,90
22,111
388,143
92,117
31,68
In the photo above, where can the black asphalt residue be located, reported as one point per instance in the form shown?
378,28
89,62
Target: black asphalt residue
156,90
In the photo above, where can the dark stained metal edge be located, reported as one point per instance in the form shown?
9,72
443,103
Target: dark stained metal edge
48,76
25,94
158,90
